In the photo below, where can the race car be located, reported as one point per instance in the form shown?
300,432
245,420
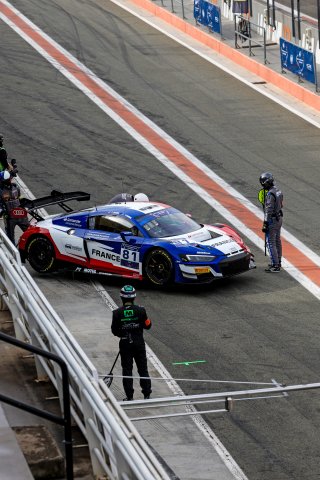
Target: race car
138,240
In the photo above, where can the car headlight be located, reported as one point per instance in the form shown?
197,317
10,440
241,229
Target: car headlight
197,258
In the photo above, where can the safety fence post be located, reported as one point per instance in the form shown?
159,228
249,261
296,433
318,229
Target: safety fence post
93,441
182,7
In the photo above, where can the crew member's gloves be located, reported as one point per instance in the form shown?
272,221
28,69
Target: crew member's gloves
265,227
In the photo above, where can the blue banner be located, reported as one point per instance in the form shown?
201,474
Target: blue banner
207,15
299,61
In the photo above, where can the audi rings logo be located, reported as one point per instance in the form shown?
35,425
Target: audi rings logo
18,212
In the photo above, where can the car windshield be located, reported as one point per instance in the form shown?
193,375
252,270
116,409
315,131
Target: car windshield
168,222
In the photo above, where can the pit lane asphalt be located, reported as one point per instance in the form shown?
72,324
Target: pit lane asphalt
250,328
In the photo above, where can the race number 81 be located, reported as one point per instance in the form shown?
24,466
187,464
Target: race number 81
130,255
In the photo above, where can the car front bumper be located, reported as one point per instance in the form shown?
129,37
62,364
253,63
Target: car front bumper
228,267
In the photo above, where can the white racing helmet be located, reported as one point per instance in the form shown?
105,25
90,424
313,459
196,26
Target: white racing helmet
5,175
140,197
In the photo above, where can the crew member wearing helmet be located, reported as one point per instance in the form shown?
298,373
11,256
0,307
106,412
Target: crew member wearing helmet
4,164
13,213
127,197
272,220
128,323
3,156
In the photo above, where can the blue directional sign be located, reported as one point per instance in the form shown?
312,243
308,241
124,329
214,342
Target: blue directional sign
208,15
297,60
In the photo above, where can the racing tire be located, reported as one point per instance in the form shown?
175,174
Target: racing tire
40,253
158,267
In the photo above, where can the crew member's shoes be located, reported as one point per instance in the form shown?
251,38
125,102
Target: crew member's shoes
146,397
273,269
127,399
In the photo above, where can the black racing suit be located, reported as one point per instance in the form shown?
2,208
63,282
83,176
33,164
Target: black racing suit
128,323
3,159
273,217
11,208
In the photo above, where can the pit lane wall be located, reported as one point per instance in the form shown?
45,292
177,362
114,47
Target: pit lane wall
282,27
225,46
118,452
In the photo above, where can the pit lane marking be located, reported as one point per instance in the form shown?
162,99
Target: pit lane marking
187,363
300,261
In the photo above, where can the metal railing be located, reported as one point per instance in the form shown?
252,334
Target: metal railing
65,420
172,4
116,447
243,29
227,398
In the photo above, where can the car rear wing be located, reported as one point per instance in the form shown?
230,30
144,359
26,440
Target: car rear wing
55,198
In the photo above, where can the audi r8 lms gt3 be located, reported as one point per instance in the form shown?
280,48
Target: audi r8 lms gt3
139,240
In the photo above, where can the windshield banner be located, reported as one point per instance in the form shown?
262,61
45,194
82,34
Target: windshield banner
208,15
298,61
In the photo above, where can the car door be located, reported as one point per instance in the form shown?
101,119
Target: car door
110,252
68,236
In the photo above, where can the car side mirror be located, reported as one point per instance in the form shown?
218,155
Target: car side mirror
71,231
124,235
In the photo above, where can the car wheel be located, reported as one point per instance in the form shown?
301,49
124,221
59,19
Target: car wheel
41,255
158,267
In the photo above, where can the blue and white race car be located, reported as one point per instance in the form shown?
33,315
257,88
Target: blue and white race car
138,240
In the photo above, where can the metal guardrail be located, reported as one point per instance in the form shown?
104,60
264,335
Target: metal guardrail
245,33
172,3
117,449
65,420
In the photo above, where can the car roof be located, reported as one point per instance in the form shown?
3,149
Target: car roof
130,209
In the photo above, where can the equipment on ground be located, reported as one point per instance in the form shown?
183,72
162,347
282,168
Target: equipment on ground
108,379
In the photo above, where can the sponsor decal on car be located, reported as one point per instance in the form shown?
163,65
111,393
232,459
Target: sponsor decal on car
97,235
73,221
230,240
114,257
202,270
91,270
73,247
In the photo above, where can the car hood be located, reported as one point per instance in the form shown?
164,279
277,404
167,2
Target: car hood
209,239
